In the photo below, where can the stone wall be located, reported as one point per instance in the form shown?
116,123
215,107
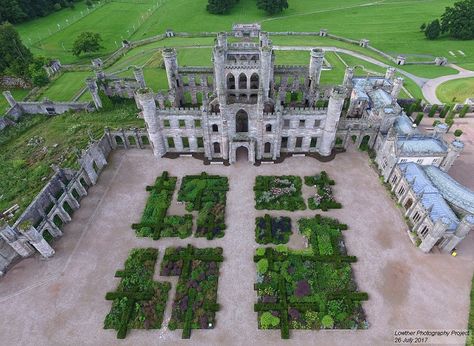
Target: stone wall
7,82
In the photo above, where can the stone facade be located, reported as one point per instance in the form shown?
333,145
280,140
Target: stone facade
246,102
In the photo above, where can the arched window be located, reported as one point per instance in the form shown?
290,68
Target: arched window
118,140
230,81
241,121
254,81
268,128
268,148
215,128
243,81
131,140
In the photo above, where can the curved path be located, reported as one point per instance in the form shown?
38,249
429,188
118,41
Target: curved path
429,88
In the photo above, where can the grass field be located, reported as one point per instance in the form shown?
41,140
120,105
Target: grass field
18,94
66,86
391,25
457,90
23,166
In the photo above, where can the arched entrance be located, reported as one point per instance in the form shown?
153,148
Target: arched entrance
241,121
242,154
408,204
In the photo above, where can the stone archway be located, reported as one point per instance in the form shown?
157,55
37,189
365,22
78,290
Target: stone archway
242,154
241,121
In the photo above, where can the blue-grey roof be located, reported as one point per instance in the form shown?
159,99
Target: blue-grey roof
404,126
431,198
452,191
421,145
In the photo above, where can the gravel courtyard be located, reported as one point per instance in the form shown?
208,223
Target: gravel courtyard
61,301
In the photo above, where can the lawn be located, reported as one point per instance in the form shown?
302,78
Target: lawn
457,90
18,94
66,86
28,150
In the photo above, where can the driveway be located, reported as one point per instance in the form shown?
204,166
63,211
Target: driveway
61,301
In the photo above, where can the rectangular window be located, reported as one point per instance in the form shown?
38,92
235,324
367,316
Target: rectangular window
185,142
170,142
314,141
284,142
200,142
197,123
286,123
166,123
299,142
317,123
182,123
302,124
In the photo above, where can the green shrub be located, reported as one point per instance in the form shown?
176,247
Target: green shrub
458,133
260,251
432,111
327,322
267,320
463,111
418,119
262,266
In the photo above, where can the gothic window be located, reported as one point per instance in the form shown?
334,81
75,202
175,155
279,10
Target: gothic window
254,81
230,81
268,128
217,148
243,81
241,121
215,128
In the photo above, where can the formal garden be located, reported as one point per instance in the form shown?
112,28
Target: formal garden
207,195
323,199
195,303
272,230
154,222
139,302
278,193
311,288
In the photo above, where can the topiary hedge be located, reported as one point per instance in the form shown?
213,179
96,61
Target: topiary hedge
324,198
279,193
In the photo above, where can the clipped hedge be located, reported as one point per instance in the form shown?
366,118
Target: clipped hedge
278,193
324,198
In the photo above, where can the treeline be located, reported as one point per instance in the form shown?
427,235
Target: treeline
456,22
224,6
18,11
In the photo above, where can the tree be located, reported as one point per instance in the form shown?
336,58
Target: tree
433,30
15,57
457,21
458,133
87,42
272,6
39,76
423,27
11,11
220,6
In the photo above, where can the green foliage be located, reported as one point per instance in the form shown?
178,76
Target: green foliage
272,7
433,30
278,193
267,320
276,230
463,111
458,133
39,76
457,21
17,11
87,42
324,198
432,111
262,266
419,117
260,251
327,322
139,302
220,6
15,58
445,111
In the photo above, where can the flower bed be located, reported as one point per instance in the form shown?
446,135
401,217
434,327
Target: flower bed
324,198
195,302
278,193
207,194
154,222
276,230
312,288
139,302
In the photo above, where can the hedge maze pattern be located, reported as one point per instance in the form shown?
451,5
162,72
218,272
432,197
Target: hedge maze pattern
139,302
154,222
312,288
206,194
195,302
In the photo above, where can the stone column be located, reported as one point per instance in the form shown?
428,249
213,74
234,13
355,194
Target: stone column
38,241
93,89
147,102
390,73
433,236
219,74
139,77
315,67
454,150
170,58
464,227
348,75
397,87
10,99
266,65
336,102
21,246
